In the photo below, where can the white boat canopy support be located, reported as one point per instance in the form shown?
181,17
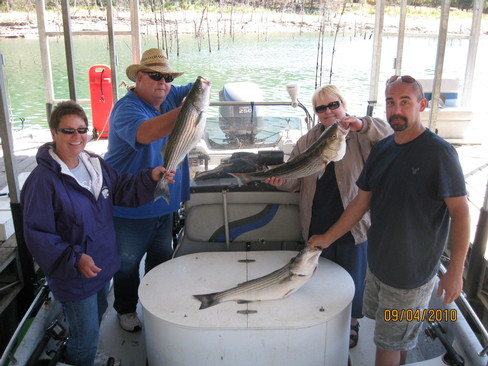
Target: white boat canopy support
441,45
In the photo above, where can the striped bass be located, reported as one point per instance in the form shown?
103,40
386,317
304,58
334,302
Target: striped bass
188,130
330,146
276,285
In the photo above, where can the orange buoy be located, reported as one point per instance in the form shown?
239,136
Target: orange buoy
101,97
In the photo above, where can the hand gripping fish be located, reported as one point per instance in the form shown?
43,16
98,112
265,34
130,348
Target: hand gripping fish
276,285
188,130
330,146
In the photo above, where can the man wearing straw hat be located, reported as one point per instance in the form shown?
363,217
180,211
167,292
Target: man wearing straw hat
140,123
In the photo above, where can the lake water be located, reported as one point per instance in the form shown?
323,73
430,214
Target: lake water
271,63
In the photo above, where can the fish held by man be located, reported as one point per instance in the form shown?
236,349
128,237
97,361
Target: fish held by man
330,146
276,285
188,130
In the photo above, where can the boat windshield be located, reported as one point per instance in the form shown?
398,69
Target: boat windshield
245,134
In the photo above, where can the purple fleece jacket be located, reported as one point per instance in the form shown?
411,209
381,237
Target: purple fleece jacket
62,220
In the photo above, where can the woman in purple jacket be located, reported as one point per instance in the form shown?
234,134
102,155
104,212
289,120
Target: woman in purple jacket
67,205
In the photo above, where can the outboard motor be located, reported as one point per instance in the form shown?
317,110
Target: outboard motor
241,122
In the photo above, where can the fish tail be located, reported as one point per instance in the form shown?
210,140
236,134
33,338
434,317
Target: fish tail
207,300
242,178
162,190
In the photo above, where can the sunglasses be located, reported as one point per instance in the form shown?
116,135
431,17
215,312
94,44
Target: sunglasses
70,131
405,79
331,106
156,76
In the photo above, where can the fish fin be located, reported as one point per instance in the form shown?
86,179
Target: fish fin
289,292
162,190
242,178
180,164
321,172
201,117
295,277
207,300
163,151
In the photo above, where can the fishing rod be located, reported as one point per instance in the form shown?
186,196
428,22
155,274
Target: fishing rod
334,44
320,51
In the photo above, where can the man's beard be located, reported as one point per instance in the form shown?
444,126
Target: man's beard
396,125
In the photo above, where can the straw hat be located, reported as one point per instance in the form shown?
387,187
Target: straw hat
152,60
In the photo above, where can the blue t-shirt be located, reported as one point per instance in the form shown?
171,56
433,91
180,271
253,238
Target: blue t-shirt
409,218
128,156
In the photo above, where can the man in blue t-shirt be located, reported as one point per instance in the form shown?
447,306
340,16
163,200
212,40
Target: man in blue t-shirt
414,187
140,123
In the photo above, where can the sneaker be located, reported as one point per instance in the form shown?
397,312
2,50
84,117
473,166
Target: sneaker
101,359
130,322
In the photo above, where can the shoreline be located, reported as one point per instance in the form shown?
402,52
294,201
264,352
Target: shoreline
360,20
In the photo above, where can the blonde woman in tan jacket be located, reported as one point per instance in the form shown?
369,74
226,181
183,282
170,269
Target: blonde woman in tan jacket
324,195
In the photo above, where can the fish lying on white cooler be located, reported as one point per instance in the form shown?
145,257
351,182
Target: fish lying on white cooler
276,285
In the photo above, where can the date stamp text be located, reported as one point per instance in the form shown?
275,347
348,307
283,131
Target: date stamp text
420,315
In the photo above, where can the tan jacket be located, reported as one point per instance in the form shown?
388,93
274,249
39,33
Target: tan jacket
347,171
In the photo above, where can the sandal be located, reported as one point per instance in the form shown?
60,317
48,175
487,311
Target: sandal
353,338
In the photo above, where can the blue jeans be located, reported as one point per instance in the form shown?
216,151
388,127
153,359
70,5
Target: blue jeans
84,319
136,237
354,259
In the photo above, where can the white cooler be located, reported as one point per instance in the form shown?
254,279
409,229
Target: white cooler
310,327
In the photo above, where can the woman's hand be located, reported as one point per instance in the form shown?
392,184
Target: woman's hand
317,242
160,171
354,123
87,266
274,181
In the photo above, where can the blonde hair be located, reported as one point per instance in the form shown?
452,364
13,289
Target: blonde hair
329,91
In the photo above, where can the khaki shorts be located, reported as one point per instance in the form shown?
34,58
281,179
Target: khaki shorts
398,312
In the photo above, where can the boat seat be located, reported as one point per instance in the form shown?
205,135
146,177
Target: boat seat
239,221
452,120
449,93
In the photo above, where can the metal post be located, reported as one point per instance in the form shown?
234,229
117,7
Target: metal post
45,57
69,50
136,35
376,62
401,37
113,56
476,268
439,63
7,139
226,217
472,51
25,262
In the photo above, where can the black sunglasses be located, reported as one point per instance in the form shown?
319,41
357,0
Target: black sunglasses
156,76
70,131
331,106
405,79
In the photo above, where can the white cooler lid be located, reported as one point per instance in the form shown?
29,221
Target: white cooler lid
167,291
